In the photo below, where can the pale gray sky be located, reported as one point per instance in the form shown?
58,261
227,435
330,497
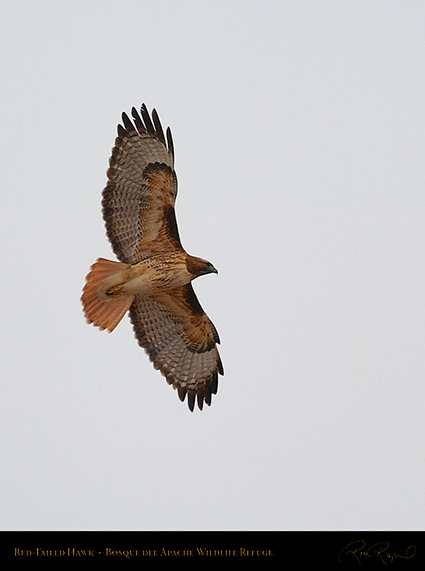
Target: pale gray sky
299,130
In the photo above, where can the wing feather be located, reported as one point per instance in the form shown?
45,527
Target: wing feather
181,341
158,127
146,118
138,200
137,121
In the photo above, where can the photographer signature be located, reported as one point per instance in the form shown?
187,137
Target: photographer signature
359,551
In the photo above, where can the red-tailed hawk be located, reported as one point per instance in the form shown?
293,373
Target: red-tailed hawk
153,277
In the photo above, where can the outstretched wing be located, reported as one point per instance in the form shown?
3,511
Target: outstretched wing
138,201
181,341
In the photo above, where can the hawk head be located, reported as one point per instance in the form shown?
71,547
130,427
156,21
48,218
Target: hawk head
198,267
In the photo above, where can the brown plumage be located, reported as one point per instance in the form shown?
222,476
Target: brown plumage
153,278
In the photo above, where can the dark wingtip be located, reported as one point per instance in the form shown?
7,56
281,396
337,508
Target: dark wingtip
147,119
121,131
158,127
200,399
128,125
137,121
196,398
146,122
220,367
170,141
191,401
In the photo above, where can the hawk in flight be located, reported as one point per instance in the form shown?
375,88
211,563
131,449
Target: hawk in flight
153,278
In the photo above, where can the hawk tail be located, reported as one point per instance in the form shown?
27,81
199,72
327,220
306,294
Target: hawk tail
104,304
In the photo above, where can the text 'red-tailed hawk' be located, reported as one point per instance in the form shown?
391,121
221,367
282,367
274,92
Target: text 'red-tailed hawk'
153,277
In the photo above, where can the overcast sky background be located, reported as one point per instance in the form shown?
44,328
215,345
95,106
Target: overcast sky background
299,129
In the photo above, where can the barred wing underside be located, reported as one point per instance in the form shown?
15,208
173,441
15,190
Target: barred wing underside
181,342
138,201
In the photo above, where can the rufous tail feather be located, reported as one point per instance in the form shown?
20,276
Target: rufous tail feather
103,302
